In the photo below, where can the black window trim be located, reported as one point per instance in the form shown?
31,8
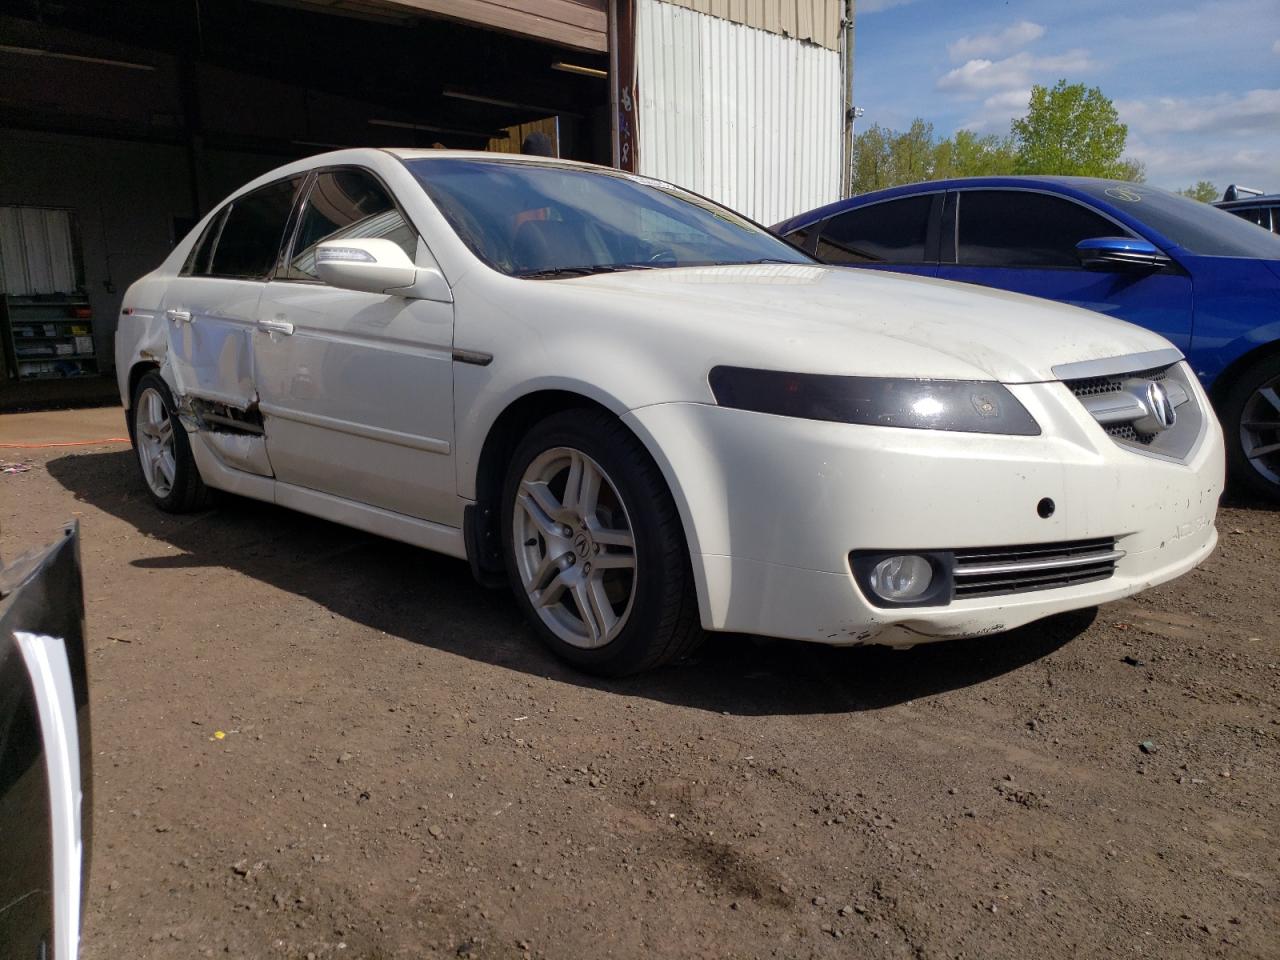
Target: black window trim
954,214
932,230
278,275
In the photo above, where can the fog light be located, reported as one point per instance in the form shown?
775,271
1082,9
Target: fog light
901,579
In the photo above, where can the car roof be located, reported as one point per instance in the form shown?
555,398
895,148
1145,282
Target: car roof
1064,184
1261,200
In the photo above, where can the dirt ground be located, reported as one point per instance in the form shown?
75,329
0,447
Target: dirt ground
314,743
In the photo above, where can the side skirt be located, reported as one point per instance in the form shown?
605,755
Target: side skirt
360,516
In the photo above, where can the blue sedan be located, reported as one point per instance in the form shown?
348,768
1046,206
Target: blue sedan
1205,279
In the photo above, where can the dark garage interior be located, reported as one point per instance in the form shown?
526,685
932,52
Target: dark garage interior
121,124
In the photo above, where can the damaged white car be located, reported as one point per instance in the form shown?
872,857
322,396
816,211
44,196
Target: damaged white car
650,416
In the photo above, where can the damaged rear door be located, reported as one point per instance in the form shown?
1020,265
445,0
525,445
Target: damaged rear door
211,308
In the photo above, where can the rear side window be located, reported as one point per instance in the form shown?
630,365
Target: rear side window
346,204
198,260
249,243
799,237
1018,228
1259,215
891,232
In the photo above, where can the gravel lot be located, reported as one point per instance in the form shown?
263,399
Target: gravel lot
314,743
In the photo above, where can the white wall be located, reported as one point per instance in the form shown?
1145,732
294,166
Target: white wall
748,118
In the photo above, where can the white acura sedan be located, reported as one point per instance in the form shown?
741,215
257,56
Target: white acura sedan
650,416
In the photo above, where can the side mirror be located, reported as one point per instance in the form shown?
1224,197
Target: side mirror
375,265
1120,253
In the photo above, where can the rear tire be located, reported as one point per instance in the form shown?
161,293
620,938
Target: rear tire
1251,424
588,524
163,451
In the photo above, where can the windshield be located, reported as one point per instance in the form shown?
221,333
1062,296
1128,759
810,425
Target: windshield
547,220
1195,226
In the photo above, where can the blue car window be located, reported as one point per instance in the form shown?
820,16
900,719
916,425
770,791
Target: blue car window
1021,228
1196,227
890,232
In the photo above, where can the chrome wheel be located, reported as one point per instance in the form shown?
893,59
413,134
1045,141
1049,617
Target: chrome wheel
153,434
574,547
1260,430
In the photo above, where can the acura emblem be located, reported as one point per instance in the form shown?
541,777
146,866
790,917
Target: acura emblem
1158,412
1160,406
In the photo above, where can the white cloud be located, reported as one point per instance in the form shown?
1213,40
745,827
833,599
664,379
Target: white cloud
981,76
994,44
1275,47
997,111
1174,166
1251,112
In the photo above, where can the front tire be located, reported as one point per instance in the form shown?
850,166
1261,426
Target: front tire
163,450
594,546
1251,423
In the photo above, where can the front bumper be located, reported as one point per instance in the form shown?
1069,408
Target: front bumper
774,505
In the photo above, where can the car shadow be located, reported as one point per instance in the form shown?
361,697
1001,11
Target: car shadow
425,598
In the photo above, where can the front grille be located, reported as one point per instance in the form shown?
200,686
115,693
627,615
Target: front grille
1092,386
1125,431
985,571
1111,401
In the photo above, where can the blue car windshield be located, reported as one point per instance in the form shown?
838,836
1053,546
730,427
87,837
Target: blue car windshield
1193,225
552,220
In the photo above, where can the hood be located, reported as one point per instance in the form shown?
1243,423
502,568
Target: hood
824,319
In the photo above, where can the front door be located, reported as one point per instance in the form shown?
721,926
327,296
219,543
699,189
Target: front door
356,389
1025,241
212,306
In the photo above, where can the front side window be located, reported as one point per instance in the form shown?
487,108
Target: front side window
1018,228
549,220
890,232
345,204
249,243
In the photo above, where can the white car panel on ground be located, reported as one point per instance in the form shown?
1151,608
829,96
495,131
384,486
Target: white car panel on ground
395,413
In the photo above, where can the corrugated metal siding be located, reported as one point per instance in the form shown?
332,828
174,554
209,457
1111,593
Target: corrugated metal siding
743,116
815,20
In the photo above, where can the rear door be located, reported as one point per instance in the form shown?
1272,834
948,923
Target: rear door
45,755
899,235
357,388
1025,241
212,306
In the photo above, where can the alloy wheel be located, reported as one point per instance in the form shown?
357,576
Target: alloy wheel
154,438
1260,430
574,547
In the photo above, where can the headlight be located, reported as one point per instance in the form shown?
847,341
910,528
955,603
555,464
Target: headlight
971,406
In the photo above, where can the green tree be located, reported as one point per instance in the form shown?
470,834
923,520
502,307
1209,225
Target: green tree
871,159
1203,191
969,155
1072,130
885,158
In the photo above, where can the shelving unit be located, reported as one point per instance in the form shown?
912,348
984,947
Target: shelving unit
49,337
46,322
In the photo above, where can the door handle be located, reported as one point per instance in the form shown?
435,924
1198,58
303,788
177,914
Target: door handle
276,326
178,316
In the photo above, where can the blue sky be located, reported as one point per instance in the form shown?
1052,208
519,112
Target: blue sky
1197,81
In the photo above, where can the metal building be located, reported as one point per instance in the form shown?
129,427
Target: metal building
122,123
742,101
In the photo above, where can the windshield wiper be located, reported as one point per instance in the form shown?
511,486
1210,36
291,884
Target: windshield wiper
747,263
583,271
